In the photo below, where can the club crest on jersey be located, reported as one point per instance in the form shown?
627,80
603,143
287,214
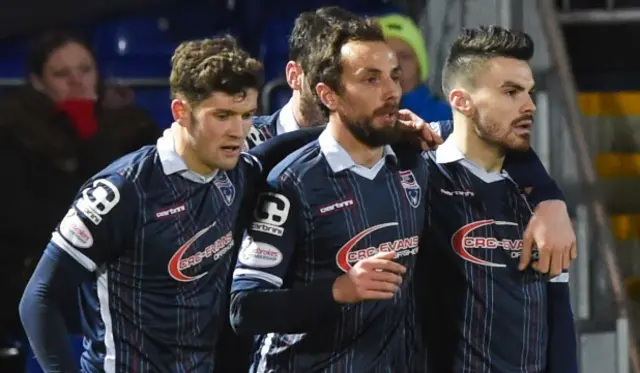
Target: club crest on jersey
347,256
411,188
226,188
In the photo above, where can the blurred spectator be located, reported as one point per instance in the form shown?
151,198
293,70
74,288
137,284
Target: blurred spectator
55,133
405,38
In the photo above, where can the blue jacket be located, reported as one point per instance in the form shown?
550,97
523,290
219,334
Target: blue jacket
427,106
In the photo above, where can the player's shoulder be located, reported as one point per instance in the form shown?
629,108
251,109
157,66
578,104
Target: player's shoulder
297,164
133,164
115,185
436,168
248,161
266,122
263,128
128,169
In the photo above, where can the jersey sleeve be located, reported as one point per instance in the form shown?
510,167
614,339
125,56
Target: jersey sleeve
100,221
563,344
272,236
527,171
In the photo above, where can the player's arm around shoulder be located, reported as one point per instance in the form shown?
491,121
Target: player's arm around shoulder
274,150
89,234
550,229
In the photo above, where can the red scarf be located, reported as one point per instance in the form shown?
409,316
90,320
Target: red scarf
81,113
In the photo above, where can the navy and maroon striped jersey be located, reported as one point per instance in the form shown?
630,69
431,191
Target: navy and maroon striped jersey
479,312
320,215
157,240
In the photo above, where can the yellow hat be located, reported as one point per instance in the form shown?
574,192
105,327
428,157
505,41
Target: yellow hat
403,28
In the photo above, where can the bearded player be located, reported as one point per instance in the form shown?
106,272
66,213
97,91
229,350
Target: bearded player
481,311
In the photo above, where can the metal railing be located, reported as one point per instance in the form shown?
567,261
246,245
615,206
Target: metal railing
128,82
591,210
609,14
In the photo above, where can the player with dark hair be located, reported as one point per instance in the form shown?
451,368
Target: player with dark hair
302,111
148,240
480,312
309,31
317,223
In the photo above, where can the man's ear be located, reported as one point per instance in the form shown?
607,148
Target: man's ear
180,111
460,100
294,75
328,96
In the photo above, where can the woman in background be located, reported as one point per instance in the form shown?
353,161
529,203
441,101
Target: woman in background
55,133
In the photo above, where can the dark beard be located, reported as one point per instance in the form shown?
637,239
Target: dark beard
372,137
487,132
310,111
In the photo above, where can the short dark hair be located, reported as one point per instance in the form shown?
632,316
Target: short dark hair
326,63
201,67
43,45
475,46
335,15
311,29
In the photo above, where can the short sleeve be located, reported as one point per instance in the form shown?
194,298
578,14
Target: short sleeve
100,223
272,237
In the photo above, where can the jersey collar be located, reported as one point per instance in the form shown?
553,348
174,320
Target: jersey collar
171,161
449,152
286,121
338,158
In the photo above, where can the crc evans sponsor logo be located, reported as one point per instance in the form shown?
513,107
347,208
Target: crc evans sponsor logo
179,263
464,243
347,256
